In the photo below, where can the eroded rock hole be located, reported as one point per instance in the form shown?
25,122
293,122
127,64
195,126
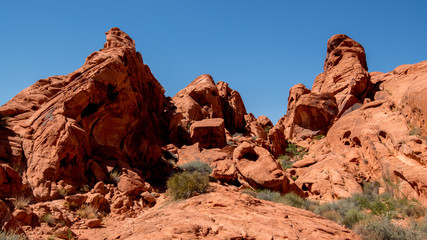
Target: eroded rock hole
90,109
251,156
346,134
357,141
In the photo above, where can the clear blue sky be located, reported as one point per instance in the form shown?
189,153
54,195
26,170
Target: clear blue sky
261,48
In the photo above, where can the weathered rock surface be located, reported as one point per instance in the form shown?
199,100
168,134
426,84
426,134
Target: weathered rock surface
382,138
344,83
257,167
111,108
228,214
202,99
209,133
8,223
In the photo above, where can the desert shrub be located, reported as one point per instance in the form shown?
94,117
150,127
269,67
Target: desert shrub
293,200
332,215
353,216
114,177
320,136
85,188
421,225
48,218
62,192
88,212
384,229
196,166
290,199
267,129
268,195
411,208
11,236
186,184
296,152
4,121
21,202
285,162
249,192
415,131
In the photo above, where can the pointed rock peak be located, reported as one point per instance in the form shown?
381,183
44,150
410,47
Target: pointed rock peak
118,38
339,45
206,78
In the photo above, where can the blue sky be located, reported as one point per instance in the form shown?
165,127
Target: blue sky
261,48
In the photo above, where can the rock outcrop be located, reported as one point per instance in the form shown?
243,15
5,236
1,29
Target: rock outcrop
344,83
382,139
209,216
202,99
112,108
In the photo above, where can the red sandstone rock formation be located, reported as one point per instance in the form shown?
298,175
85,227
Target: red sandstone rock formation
112,108
202,99
344,83
210,216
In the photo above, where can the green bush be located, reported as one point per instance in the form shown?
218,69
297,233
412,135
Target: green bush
290,199
196,166
353,216
186,184
11,236
384,229
268,195
332,215
293,200
296,152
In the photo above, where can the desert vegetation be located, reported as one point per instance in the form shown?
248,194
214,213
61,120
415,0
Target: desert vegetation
389,215
193,180
293,153
11,236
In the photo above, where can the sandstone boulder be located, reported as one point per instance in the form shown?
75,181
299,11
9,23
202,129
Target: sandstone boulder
257,166
8,223
209,133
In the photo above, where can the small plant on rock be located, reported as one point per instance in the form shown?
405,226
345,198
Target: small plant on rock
21,202
48,218
114,177
4,121
187,184
88,212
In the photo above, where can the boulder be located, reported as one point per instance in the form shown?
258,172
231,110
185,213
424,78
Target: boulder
257,166
264,122
94,223
8,223
209,133
277,140
315,111
26,217
131,183
76,200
